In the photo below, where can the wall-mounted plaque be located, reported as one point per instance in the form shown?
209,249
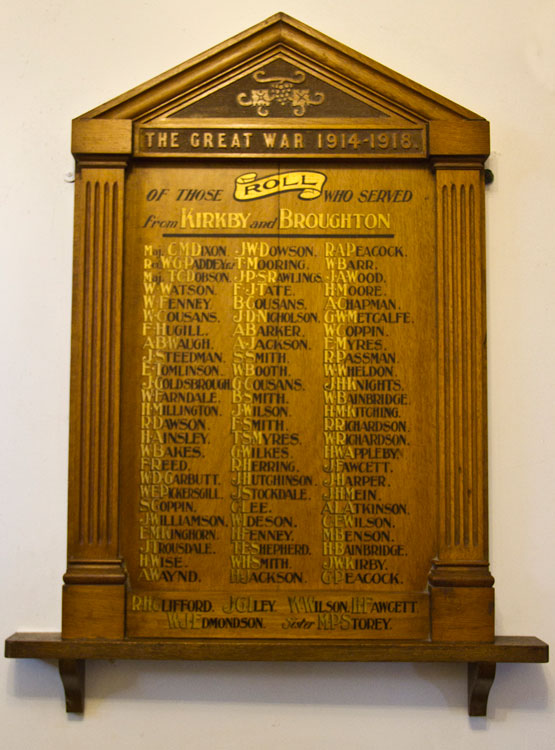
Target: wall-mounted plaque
278,435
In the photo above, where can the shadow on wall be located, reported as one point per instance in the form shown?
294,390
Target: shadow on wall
517,686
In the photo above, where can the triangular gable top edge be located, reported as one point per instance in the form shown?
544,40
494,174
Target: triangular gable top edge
284,30
377,107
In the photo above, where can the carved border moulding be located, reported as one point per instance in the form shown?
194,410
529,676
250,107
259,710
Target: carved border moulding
279,119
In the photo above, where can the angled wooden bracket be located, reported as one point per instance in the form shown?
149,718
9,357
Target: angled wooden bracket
72,672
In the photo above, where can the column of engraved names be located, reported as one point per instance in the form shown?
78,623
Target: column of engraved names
270,488
182,383
364,426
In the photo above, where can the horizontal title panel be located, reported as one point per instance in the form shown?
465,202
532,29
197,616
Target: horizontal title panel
282,142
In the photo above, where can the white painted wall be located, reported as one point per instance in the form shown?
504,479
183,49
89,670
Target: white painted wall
60,58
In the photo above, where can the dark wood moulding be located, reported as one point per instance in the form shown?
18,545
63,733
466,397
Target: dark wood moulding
261,123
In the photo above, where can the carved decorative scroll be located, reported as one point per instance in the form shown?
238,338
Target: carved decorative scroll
281,91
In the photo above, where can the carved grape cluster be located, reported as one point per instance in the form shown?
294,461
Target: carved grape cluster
282,92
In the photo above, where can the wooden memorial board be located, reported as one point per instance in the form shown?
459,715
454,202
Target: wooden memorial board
278,394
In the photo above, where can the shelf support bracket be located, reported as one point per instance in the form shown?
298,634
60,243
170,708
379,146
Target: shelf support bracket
72,672
481,675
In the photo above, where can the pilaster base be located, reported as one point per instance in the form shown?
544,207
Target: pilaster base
93,611
462,614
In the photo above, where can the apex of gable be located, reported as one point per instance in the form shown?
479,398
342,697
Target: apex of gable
316,75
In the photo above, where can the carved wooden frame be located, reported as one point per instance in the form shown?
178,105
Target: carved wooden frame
461,586
458,144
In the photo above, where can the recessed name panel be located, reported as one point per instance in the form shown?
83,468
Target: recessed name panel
279,412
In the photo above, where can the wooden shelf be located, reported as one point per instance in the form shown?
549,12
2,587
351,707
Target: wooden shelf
480,657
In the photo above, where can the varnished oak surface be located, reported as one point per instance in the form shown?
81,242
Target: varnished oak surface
419,520
519,649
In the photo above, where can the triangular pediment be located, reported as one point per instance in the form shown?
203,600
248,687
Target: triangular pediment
281,69
282,86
